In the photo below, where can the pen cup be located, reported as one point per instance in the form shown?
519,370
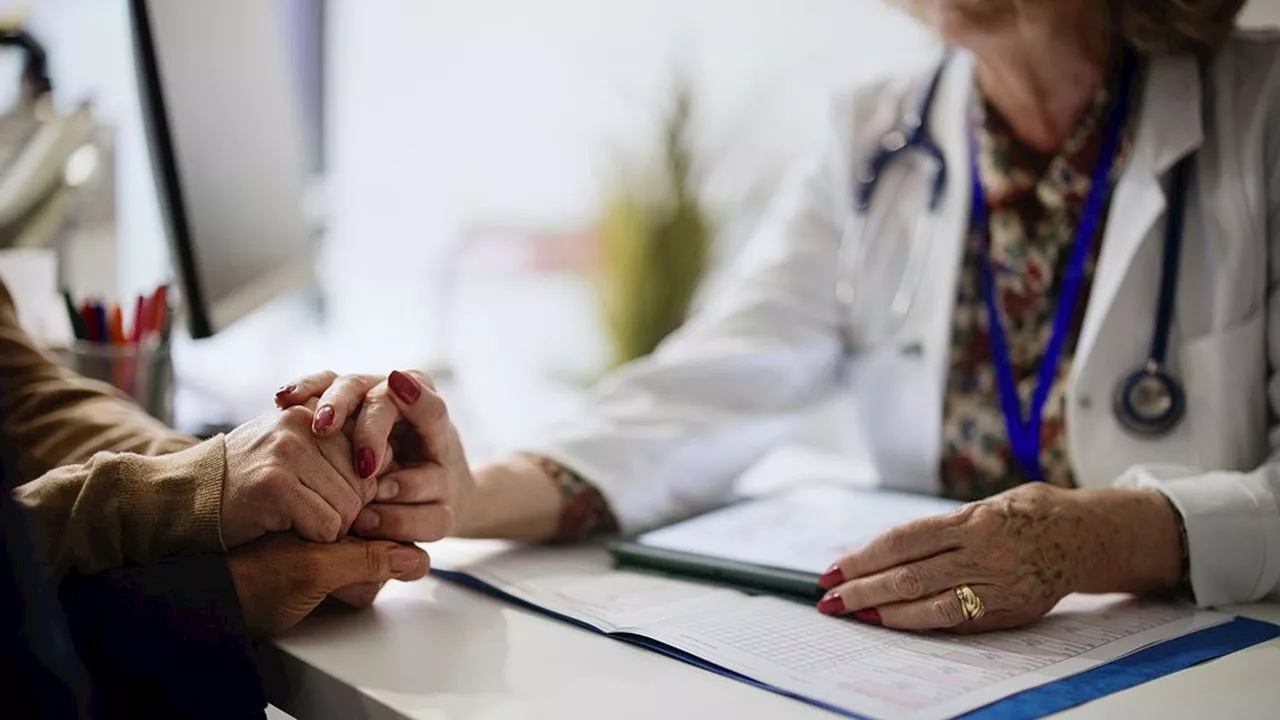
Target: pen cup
143,371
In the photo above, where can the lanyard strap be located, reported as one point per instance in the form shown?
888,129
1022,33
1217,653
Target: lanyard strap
1024,435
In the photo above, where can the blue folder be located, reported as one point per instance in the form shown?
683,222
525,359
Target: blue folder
1136,668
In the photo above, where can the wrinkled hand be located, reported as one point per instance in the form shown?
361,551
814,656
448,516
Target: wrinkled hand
1021,551
281,579
402,415
280,476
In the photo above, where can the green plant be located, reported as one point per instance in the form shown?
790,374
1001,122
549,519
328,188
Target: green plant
655,239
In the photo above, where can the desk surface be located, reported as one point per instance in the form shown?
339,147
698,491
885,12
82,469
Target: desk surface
434,651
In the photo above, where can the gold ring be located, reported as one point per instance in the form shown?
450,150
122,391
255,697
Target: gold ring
970,603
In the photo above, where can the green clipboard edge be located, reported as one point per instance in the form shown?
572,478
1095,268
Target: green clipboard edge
747,577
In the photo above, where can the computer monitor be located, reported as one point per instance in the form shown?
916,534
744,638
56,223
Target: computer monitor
221,108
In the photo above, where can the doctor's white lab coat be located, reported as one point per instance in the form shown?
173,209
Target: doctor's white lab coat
667,436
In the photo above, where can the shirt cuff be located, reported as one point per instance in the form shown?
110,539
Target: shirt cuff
583,510
1231,525
625,506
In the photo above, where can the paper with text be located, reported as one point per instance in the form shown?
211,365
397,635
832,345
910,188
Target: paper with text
865,670
805,529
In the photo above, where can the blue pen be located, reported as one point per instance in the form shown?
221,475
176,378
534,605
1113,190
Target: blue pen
100,312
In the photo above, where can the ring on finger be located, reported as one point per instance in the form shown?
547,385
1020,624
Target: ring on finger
970,604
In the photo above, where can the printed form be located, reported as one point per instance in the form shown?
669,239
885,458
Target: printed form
864,670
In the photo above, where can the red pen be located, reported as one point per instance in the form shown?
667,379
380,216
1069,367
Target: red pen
159,309
90,321
139,310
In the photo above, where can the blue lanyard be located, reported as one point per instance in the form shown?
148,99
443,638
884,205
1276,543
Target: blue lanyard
1024,435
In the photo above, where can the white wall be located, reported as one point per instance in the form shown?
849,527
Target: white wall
448,113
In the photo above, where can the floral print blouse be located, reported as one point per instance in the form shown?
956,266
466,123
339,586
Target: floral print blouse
1034,202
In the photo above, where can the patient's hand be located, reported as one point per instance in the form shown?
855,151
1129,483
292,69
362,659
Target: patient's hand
280,476
398,414
281,579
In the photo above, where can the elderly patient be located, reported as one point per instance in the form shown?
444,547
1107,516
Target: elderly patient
102,486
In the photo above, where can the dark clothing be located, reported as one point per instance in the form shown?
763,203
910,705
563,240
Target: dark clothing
163,640
38,658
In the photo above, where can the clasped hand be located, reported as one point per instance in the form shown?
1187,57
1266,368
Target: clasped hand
297,470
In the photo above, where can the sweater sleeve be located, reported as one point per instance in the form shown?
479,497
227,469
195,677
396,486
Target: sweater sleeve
125,508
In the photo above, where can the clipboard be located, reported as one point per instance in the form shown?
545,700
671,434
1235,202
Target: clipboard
776,544
747,577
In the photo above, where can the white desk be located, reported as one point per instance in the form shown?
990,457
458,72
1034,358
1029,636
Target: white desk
434,651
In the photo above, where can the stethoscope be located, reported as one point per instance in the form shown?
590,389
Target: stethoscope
1149,400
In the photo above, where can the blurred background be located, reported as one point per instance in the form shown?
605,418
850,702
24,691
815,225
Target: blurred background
469,172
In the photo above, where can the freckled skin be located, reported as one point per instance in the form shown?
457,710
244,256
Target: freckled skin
1030,555
1021,552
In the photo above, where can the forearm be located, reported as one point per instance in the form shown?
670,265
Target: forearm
1133,542
527,497
512,499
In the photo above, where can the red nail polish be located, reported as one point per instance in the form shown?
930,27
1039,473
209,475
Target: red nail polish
324,418
286,390
831,578
364,462
870,616
832,604
404,386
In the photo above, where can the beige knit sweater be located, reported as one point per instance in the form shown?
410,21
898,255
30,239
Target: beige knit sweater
104,483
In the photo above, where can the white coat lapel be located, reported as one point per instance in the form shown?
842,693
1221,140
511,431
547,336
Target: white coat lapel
949,126
900,391
1169,127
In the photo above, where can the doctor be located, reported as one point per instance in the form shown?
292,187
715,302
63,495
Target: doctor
1049,272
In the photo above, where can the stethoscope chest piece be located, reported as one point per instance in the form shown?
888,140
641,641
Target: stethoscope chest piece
1150,401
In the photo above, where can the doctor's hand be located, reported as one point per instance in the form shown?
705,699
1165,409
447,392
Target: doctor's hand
398,416
1019,553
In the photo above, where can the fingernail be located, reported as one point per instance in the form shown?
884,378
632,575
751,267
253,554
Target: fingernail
324,418
831,604
388,489
404,387
403,559
870,616
286,390
364,462
831,578
367,520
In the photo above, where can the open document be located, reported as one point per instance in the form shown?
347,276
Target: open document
841,665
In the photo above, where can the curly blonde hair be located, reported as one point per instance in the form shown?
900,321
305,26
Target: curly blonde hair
1157,27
